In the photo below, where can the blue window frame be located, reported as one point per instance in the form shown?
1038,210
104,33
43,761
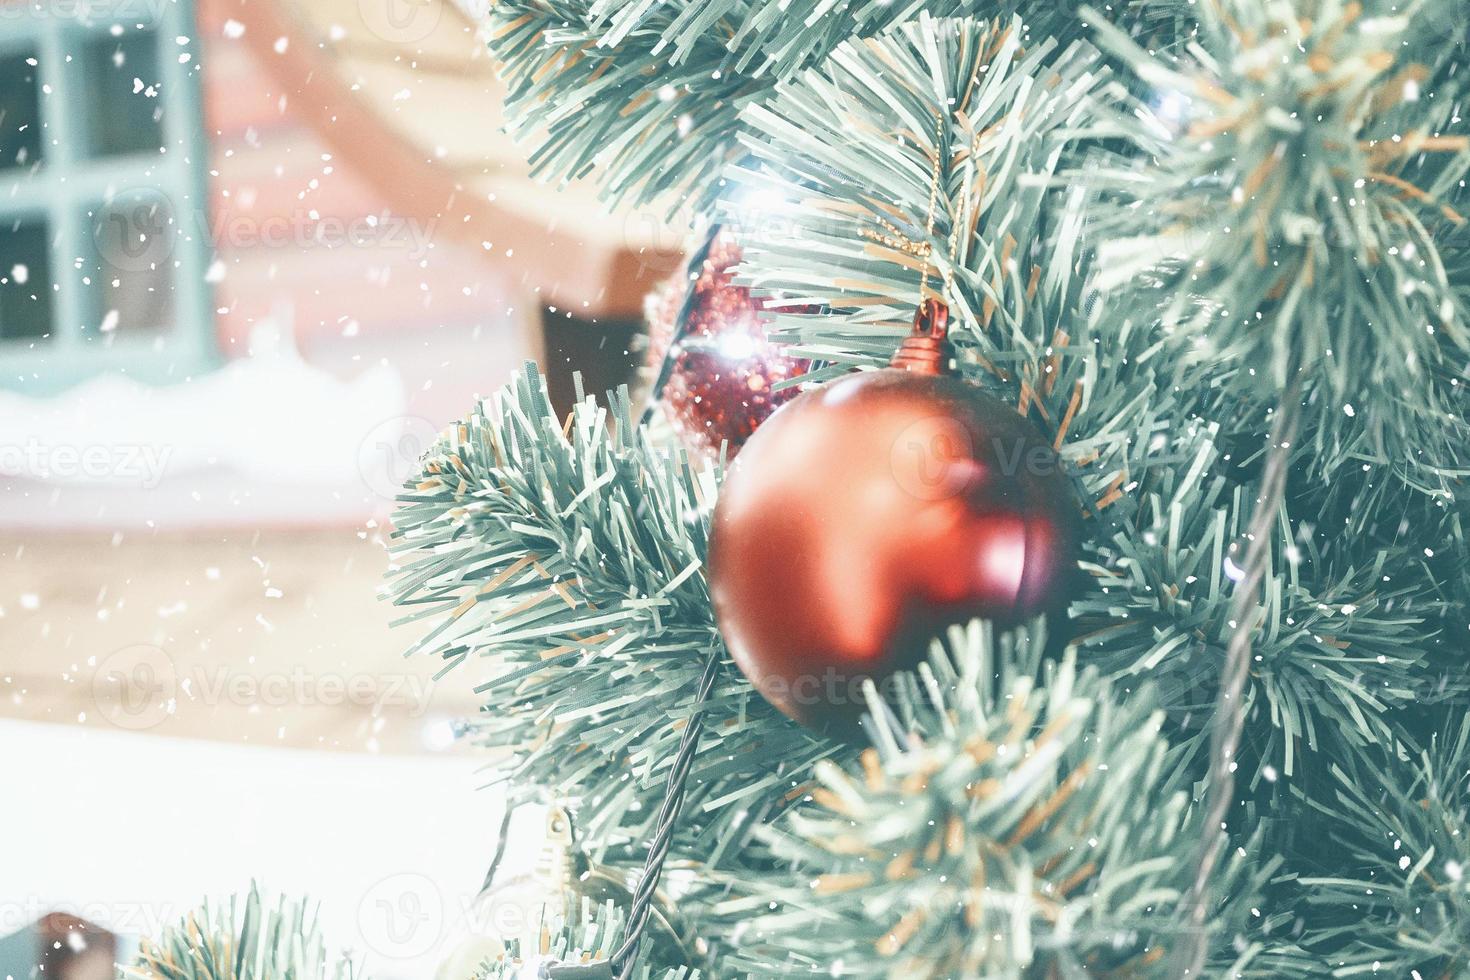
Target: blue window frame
104,248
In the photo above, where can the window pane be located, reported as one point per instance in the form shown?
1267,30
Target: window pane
124,93
129,275
25,281
20,115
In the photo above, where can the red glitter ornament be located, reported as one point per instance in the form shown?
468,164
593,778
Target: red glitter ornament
718,383
871,513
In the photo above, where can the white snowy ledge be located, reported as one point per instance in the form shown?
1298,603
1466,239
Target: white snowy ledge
268,439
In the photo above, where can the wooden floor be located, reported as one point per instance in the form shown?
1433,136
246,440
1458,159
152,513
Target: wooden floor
266,637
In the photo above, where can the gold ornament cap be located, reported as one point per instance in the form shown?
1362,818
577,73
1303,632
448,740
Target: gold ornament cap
927,349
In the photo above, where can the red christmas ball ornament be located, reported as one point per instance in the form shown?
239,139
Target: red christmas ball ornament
867,515
716,370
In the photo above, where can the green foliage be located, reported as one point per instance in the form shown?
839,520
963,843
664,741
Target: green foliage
650,93
240,939
1439,40
1404,910
1146,249
1294,190
1350,622
1344,636
572,556
997,833
844,224
1342,640
828,219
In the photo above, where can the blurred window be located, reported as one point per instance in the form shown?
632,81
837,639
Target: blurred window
103,224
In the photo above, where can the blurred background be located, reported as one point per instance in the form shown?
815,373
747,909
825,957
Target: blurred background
254,254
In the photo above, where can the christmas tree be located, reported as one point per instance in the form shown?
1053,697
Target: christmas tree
1212,255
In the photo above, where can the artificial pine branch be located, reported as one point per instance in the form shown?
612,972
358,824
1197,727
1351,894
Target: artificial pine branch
650,95
1344,636
1023,821
1296,212
838,222
1402,906
1341,641
1303,248
241,939
1141,268
571,555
